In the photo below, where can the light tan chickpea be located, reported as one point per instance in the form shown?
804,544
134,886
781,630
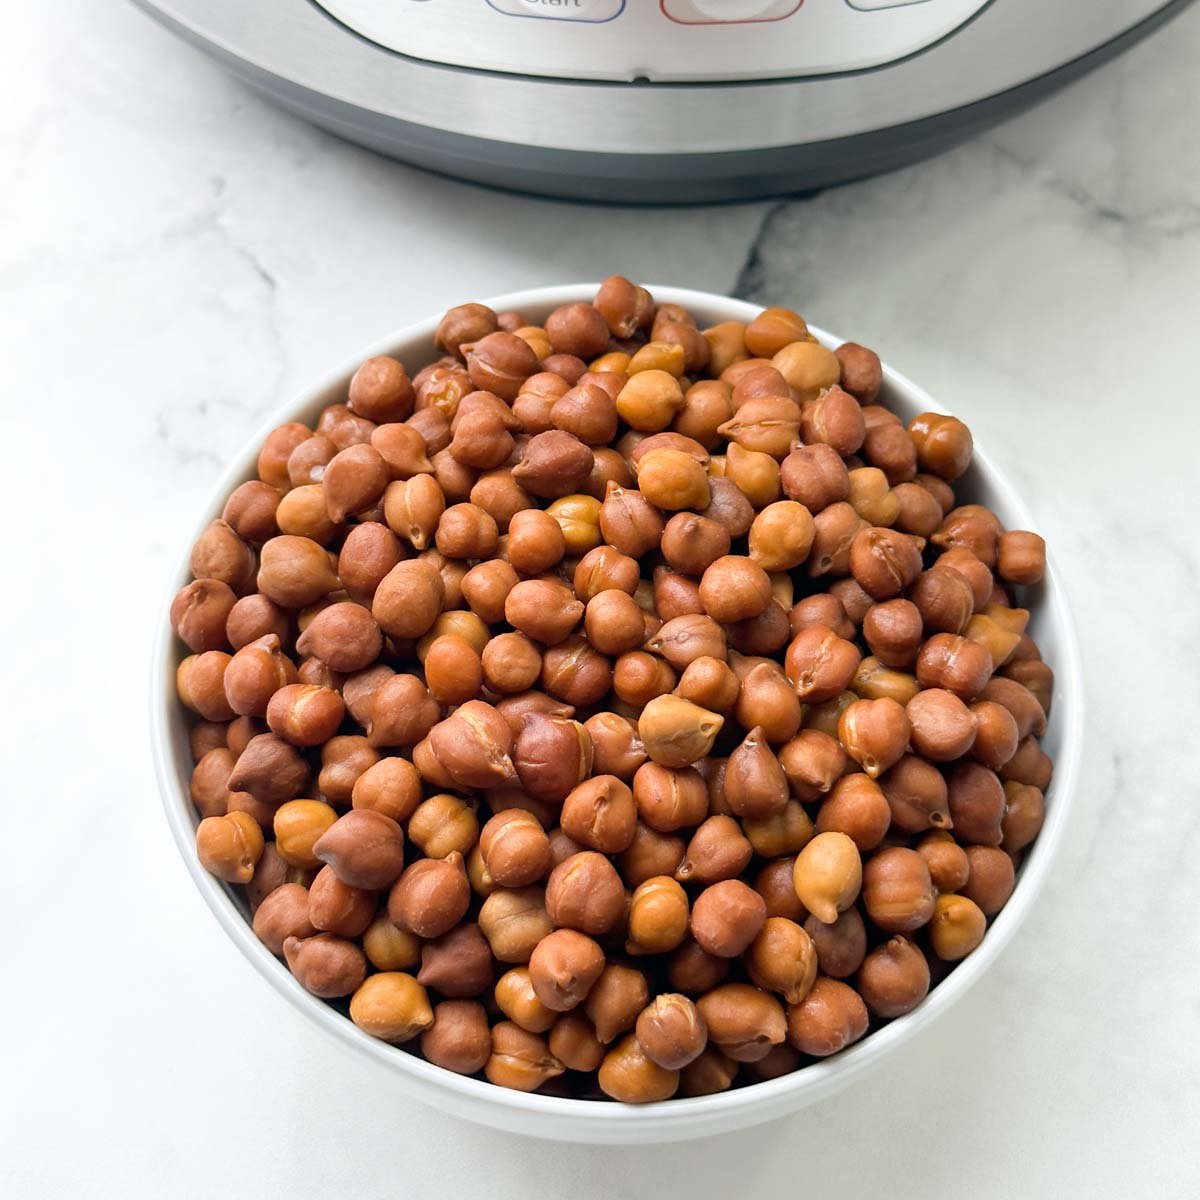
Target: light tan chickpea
391,1006
299,825
828,875
442,825
517,1000
229,846
658,916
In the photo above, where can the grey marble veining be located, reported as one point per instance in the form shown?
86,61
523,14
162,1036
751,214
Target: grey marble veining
177,258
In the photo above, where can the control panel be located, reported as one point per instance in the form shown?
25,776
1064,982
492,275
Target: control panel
660,40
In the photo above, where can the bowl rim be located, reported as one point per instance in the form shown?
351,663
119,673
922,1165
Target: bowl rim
777,1095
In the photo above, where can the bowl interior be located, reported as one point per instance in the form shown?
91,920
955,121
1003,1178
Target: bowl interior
584,1120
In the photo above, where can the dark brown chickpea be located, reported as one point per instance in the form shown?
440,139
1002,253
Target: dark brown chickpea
954,663
459,1038
1024,813
829,1018
564,967
553,464
283,914
917,795
857,807
649,854
813,762
990,880
820,664
893,631
326,965
862,373
743,1022
458,964
774,884
615,1000
897,890
841,946
600,814
718,851
584,892
756,787
976,801
942,727
996,734
431,896
727,917
894,978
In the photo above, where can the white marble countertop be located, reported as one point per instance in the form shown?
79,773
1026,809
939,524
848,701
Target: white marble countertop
176,258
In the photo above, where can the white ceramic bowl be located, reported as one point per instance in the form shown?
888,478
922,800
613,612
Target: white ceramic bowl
590,1121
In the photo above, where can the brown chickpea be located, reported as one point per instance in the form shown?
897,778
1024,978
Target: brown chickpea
815,476
390,948
834,418
615,1000
996,734
670,798
209,785
828,874
298,826
894,978
229,846
639,677
1024,813
535,542
544,610
884,561
786,831
336,907
743,1022
574,673
270,769
956,928
820,664
459,1038
808,367
600,814
307,462
629,522
629,1075
200,612
553,464
991,878
326,965
672,596
574,1043
364,848
729,507
942,727
756,787
892,630
343,760
676,732
861,371
431,896
515,848
946,860
783,959
552,754
813,762
897,890
220,554
400,712
976,801
954,663
564,967
253,617
650,399
772,330
755,474
443,824
671,1031
874,733
584,892
774,884
486,587
673,479
343,636
283,914
734,588
277,449
516,999
857,807
917,795
613,623
830,1018
650,853
726,918
519,1059
200,684
718,851
841,946
514,921
943,444
1021,557
658,916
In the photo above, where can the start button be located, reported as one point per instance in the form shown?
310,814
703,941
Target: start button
595,11
728,12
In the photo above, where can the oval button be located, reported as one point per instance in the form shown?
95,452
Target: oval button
592,11
728,12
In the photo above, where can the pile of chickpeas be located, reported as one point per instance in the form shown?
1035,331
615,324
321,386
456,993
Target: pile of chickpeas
615,708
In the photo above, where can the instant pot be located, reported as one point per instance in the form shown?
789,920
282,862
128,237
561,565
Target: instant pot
662,101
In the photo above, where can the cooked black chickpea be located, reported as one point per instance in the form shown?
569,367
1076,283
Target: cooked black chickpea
654,696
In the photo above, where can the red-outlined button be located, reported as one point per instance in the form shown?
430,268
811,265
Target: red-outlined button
736,12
